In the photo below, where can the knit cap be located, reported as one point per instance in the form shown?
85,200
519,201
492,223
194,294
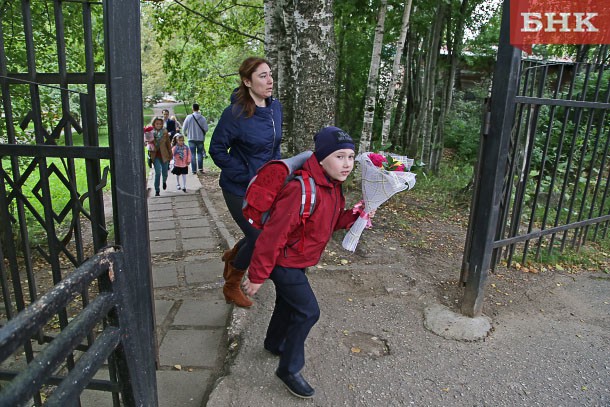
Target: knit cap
330,139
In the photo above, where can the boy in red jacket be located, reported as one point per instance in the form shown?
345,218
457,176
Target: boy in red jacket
286,247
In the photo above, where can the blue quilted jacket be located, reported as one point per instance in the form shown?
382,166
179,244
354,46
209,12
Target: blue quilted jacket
240,145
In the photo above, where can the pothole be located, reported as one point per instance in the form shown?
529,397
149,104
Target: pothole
364,344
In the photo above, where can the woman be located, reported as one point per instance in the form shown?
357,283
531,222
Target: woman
161,153
247,135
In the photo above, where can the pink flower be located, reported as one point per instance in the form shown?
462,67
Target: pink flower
399,167
377,159
148,128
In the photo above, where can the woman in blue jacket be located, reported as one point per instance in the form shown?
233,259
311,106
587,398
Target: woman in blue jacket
247,135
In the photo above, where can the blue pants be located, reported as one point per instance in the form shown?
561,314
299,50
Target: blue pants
160,170
296,312
197,154
246,244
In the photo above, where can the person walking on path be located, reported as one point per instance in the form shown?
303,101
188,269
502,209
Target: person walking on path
169,124
286,246
182,159
248,135
195,127
161,153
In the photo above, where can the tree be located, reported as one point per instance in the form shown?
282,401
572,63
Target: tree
300,42
396,68
371,88
200,45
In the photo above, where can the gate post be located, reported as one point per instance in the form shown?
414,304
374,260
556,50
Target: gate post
492,169
122,42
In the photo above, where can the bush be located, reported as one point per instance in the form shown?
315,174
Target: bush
463,126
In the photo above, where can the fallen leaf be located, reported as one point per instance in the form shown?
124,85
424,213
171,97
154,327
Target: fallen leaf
355,349
178,367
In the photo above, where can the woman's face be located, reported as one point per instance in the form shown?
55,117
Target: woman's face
261,83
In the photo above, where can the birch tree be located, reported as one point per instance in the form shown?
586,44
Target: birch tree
396,69
371,89
302,44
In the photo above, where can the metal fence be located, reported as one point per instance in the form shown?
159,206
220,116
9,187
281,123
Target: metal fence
556,186
542,177
72,181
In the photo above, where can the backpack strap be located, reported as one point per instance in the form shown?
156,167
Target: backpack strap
308,202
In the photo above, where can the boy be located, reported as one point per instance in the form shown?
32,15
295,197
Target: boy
286,247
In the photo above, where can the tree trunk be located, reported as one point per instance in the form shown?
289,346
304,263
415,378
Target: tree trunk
430,83
396,68
454,48
301,42
414,97
279,37
371,89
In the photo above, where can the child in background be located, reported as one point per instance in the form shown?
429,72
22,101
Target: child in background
286,246
182,159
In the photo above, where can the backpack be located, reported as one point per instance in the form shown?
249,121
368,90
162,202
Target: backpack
267,183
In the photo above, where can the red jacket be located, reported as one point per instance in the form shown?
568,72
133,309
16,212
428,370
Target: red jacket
280,241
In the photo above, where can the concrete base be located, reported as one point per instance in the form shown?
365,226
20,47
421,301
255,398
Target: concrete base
446,323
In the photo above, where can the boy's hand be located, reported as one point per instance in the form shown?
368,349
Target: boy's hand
249,287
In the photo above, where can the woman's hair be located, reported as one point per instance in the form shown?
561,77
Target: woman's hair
246,70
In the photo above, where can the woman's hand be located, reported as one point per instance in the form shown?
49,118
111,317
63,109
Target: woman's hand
249,287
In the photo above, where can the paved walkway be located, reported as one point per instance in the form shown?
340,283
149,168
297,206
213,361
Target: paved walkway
191,313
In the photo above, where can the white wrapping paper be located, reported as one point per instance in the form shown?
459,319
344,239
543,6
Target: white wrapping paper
378,185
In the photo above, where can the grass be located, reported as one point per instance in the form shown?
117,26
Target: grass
60,195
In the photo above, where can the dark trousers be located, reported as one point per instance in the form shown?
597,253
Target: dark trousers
296,312
246,244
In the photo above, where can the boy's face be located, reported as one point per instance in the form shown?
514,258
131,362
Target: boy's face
339,164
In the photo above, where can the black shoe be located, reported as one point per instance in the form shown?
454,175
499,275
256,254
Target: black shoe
164,186
183,189
157,193
297,385
194,173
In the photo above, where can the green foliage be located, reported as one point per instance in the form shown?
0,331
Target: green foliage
463,126
448,188
193,50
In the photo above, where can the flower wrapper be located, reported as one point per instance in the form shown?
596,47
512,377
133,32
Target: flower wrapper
378,185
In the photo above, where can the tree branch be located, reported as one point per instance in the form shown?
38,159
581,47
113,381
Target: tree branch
211,20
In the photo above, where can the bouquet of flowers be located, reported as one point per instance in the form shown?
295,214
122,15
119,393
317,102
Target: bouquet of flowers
149,138
382,177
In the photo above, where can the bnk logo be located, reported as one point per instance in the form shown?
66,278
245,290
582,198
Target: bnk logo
559,22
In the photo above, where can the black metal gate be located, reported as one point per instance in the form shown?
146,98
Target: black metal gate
71,149
543,169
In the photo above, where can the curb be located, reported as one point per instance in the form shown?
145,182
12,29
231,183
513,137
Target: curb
224,232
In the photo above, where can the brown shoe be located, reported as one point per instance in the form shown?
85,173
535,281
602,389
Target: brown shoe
232,290
228,256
